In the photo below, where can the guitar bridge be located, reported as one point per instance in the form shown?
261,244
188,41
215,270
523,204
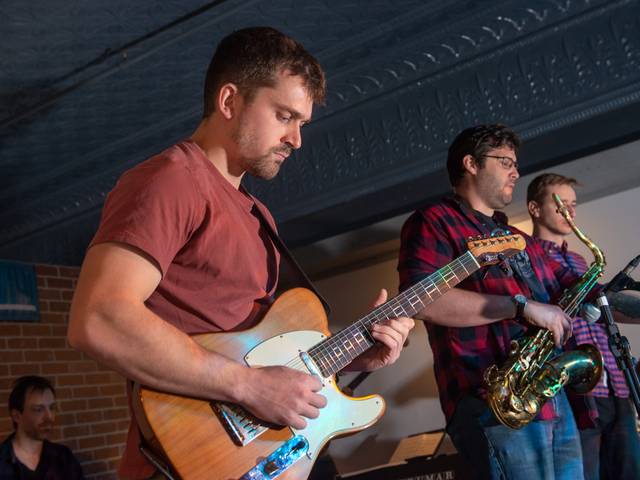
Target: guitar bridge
241,426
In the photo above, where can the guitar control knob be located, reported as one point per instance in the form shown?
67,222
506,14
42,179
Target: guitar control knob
270,468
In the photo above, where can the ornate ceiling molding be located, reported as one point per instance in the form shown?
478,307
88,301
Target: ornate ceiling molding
546,80
402,82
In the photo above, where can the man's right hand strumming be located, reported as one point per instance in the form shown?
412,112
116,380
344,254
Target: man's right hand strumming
281,395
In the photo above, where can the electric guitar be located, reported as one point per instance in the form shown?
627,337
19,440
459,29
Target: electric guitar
205,439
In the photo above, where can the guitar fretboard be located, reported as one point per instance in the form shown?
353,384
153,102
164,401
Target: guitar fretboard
339,350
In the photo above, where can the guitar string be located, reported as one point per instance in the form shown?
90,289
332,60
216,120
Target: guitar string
321,350
405,304
384,311
390,309
325,350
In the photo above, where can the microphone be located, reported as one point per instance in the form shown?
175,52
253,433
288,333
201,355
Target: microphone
590,313
621,279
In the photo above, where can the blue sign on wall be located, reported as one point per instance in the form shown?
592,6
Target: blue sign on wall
18,293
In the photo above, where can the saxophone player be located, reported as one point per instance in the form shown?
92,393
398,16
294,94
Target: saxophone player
605,417
472,326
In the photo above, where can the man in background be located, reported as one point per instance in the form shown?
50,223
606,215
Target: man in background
605,416
27,453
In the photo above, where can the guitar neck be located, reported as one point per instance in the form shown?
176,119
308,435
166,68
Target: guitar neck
339,350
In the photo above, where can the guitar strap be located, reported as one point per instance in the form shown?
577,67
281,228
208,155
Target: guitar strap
291,274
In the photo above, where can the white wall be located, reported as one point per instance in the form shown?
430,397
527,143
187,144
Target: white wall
408,386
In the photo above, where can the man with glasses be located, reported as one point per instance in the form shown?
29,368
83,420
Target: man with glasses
471,328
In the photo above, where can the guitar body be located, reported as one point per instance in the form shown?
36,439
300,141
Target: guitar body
216,440
197,441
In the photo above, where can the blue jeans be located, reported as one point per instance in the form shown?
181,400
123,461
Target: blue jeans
541,450
612,448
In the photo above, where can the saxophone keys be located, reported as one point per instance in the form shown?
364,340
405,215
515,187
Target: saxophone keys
531,407
516,403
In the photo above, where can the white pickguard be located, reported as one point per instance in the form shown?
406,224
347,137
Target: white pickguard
342,414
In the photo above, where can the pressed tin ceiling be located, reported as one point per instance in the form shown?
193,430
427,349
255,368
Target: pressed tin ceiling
89,89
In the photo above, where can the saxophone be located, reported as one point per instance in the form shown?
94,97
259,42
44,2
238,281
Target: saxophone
518,390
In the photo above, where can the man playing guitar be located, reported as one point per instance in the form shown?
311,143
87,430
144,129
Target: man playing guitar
181,249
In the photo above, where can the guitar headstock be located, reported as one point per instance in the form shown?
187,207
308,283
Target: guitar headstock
492,250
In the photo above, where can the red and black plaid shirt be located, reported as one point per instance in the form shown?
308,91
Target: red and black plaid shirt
436,235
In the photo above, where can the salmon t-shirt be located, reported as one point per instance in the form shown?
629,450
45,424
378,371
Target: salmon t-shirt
219,266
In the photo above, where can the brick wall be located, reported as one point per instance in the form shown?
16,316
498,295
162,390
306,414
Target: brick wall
93,415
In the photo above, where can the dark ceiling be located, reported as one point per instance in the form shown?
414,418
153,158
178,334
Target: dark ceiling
89,89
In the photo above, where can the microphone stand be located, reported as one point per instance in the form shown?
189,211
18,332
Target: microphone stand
618,344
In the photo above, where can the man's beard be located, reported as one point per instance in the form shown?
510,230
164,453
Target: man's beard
495,195
264,166
40,432
501,199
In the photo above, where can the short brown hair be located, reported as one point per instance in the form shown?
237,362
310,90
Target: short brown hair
477,141
537,188
251,57
24,385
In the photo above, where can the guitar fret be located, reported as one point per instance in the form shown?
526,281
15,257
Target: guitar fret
345,361
432,291
339,351
414,300
399,312
336,352
322,360
326,359
446,279
425,291
348,345
334,364
363,342
466,272
355,347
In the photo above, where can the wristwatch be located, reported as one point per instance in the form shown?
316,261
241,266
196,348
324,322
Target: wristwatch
520,302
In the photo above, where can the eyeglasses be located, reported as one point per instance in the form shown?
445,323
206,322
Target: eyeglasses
506,162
